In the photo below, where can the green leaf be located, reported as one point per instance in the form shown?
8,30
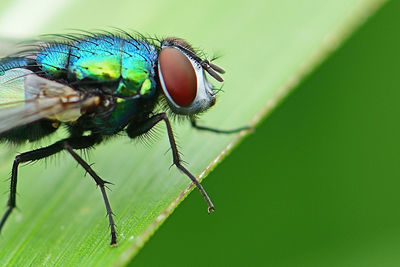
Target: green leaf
266,48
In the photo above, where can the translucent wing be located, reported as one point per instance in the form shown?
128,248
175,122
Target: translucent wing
26,97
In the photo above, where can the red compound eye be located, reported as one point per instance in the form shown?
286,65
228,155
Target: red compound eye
179,76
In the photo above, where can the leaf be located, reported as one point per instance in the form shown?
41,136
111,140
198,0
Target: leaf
267,47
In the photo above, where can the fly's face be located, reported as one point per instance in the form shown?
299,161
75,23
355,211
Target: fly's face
183,79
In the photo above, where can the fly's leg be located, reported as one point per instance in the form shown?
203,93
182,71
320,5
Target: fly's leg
22,158
150,123
67,144
101,183
208,129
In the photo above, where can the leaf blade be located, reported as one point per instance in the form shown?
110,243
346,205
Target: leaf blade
144,189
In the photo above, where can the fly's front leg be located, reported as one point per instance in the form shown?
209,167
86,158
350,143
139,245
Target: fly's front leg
208,129
136,130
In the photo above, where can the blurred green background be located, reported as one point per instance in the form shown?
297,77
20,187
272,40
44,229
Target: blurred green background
318,183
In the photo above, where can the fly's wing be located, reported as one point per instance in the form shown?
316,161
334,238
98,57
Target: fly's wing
12,86
26,97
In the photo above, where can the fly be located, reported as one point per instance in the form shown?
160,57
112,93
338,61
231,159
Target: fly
96,86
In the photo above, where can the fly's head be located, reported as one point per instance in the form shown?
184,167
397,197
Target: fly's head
183,79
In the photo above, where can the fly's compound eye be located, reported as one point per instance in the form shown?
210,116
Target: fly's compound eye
183,79
178,77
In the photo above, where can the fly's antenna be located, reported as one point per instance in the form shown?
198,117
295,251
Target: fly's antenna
212,69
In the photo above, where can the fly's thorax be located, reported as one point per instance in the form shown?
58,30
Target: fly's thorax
137,80
53,59
103,59
182,77
128,62
100,68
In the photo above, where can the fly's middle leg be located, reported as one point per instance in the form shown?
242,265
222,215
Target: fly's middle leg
100,183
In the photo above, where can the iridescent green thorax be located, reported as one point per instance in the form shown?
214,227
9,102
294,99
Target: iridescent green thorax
127,64
104,59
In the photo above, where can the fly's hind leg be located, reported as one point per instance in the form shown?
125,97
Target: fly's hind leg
66,144
100,183
208,129
29,156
